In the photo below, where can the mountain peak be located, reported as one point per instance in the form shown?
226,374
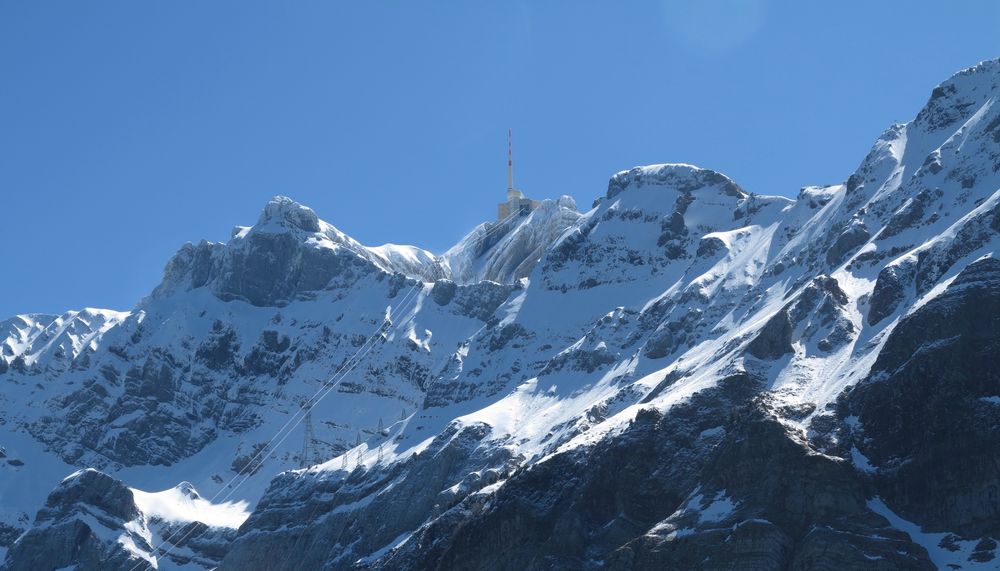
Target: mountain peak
950,101
682,177
283,212
187,490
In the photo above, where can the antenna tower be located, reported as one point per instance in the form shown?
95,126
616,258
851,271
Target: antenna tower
510,160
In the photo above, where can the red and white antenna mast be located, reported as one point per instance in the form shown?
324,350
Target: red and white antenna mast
510,161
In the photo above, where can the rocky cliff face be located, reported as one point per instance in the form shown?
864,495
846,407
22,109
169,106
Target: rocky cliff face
73,526
93,521
926,416
690,376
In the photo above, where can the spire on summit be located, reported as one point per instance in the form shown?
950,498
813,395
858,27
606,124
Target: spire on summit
516,201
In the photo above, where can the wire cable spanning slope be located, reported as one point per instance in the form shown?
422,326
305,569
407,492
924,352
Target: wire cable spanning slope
293,421
296,418
325,390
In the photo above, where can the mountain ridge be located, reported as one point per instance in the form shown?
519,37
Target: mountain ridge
691,375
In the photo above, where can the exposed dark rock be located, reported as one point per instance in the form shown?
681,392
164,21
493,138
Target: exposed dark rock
272,264
660,344
820,310
854,182
777,505
443,292
680,177
480,301
218,351
907,216
890,290
294,539
74,527
92,488
285,212
736,458
672,229
846,242
208,544
585,360
820,289
192,263
774,339
972,234
8,534
580,505
273,269
922,412
709,246
154,380
634,503
269,355
985,551
506,335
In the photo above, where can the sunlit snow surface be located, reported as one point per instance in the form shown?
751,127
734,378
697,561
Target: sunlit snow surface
183,504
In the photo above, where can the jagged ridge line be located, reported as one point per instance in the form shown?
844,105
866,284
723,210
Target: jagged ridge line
330,389
492,230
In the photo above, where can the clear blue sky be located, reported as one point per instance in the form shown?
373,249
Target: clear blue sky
128,128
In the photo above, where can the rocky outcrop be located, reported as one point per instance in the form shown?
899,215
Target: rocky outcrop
284,256
288,254
571,510
93,522
820,314
890,290
683,178
768,501
363,503
774,339
927,413
691,462
664,209
698,488
848,240
82,525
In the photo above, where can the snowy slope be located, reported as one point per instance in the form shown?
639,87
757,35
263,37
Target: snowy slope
507,250
54,341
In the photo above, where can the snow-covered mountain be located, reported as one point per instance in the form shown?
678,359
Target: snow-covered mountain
196,379
688,375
